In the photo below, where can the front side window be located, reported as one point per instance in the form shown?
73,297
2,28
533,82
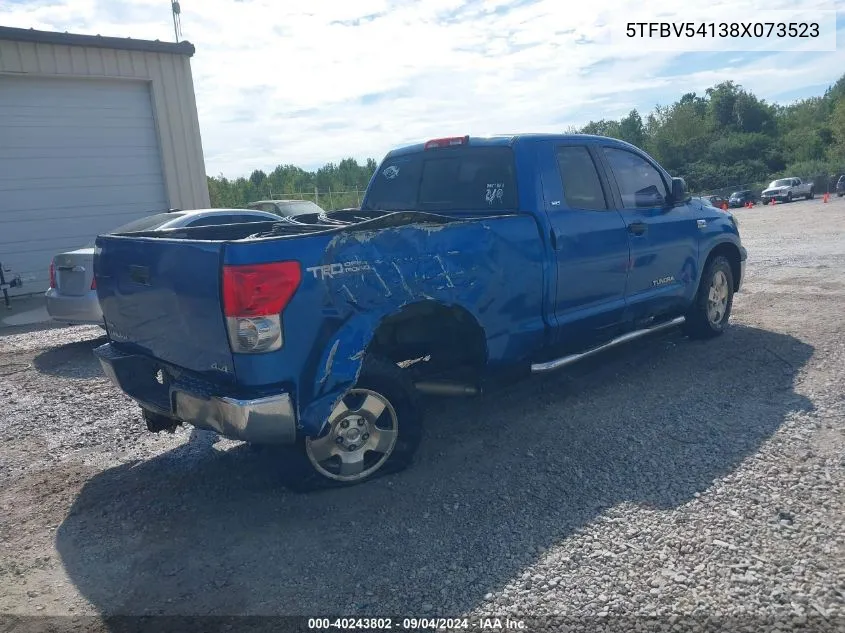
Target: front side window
581,185
640,184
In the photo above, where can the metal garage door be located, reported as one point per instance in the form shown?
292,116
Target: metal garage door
78,157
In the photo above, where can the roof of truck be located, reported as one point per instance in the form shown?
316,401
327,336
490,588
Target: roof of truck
508,140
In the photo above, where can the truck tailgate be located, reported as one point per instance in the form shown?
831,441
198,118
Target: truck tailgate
162,297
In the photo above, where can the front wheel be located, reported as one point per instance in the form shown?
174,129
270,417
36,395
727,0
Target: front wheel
374,428
708,316
789,197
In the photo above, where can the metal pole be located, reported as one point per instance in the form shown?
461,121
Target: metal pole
174,8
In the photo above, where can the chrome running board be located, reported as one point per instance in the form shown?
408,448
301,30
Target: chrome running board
551,365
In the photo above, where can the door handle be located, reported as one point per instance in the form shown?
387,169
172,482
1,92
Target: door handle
637,228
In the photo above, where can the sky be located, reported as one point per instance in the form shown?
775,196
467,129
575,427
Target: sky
307,82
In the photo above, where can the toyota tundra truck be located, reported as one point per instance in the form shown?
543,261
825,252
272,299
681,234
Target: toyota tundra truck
471,261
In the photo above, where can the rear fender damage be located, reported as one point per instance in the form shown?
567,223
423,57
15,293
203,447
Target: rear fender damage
389,270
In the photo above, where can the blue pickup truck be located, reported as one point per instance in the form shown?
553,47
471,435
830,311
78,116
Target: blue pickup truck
470,261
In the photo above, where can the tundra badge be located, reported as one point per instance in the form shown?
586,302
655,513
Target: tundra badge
663,281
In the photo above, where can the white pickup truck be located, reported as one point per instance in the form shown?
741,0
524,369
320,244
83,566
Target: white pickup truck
787,190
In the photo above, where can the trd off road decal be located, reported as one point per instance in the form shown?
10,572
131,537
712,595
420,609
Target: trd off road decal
334,270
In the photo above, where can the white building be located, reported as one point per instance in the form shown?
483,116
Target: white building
94,132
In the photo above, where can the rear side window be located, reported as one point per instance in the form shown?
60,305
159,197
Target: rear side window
217,220
453,179
581,185
640,184
149,223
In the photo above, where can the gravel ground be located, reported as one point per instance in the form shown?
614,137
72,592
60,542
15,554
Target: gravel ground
668,478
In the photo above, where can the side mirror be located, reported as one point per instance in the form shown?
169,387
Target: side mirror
680,193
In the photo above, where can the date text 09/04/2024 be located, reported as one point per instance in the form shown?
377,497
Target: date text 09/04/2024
415,624
790,30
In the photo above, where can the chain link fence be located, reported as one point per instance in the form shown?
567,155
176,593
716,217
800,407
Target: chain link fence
822,183
350,197
328,199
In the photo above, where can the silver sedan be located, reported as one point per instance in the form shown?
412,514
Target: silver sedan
72,297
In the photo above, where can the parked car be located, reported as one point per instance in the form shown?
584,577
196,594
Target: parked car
705,200
787,189
287,208
72,296
716,201
840,186
461,269
741,198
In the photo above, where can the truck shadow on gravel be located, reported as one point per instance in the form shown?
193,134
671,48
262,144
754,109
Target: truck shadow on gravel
200,530
71,360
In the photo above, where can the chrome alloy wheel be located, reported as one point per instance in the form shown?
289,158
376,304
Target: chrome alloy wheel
362,433
717,299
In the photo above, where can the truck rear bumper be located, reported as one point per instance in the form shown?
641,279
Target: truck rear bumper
169,391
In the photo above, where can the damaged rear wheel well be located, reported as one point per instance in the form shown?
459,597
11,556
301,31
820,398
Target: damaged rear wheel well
448,337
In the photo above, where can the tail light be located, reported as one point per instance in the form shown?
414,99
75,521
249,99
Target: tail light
254,296
446,142
52,274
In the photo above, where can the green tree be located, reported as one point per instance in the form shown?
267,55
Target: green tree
729,137
631,129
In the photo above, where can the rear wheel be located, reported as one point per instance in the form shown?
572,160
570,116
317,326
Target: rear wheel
374,429
708,316
811,195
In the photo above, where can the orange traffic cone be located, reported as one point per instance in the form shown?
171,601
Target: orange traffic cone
826,196
772,202
724,206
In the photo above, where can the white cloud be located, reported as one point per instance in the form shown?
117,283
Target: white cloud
288,82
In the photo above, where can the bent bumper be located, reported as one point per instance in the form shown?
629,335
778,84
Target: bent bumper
76,309
169,391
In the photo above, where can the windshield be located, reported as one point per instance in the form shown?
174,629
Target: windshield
783,182
148,223
451,179
298,208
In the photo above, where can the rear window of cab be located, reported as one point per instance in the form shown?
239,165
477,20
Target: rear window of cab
448,179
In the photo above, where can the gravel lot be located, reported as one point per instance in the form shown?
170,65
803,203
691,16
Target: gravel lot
668,478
